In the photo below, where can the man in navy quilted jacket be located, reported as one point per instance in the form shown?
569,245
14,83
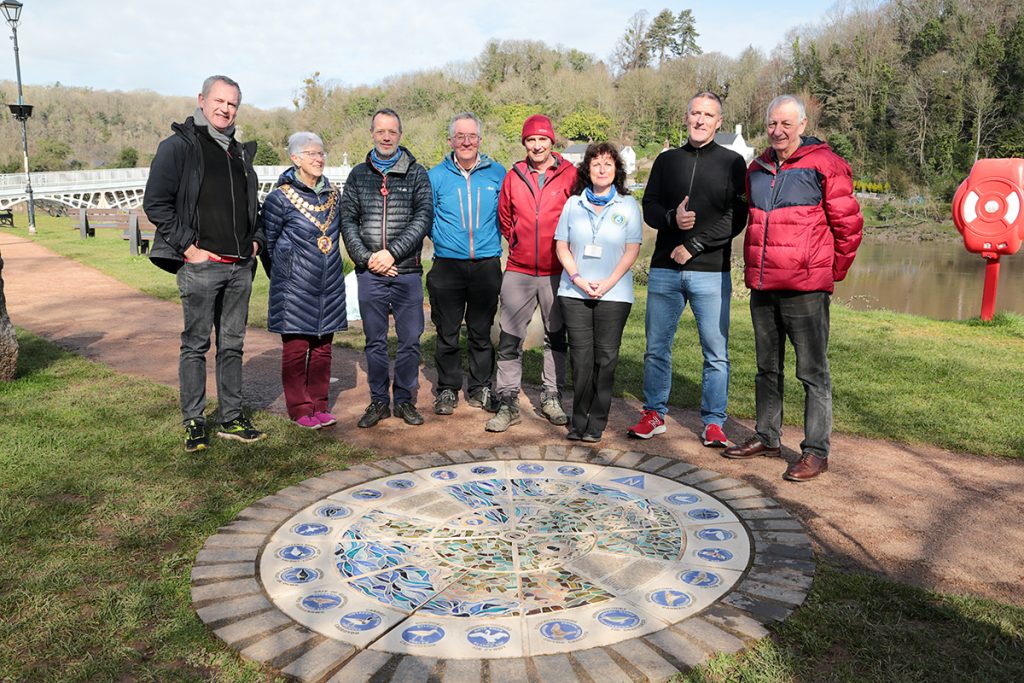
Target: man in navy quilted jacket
386,212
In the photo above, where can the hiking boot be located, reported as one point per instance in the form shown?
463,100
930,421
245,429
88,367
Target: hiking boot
195,436
713,436
445,402
326,419
649,425
309,422
484,398
508,415
240,429
374,413
807,467
408,412
551,408
751,449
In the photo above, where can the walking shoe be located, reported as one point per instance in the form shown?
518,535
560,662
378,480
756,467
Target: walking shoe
484,398
326,419
195,436
309,422
714,437
590,438
445,402
508,415
751,449
650,424
408,412
374,413
807,467
240,429
573,435
551,407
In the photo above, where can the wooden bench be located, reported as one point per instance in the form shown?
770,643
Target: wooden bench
139,234
91,220
6,218
134,226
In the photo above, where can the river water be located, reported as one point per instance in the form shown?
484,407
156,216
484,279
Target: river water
939,280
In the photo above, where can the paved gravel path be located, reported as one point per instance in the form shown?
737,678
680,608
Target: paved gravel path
914,514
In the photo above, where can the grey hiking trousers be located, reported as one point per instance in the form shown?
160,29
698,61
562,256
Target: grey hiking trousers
521,294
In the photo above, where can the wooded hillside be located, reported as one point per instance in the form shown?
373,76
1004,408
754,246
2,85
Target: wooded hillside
910,91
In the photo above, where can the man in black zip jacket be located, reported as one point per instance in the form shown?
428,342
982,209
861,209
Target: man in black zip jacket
202,196
695,200
386,210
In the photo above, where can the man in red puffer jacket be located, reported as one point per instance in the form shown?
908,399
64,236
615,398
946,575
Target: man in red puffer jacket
803,231
529,206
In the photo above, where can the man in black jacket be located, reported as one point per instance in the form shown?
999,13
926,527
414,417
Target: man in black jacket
202,195
386,211
694,199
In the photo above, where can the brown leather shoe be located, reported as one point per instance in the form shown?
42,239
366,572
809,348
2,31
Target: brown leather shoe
751,449
807,467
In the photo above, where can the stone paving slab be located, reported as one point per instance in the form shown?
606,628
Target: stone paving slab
600,666
319,661
228,596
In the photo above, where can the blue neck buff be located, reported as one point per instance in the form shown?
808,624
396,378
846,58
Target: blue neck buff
600,200
384,165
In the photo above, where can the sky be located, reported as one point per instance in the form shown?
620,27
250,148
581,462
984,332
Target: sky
270,47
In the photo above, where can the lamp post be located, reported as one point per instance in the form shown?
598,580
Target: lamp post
21,111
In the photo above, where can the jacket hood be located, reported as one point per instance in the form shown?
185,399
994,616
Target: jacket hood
808,144
401,166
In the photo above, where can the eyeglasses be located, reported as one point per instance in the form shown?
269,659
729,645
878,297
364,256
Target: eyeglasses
314,155
465,137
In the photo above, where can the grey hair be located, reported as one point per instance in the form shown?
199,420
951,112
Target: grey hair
386,112
464,116
298,142
706,95
208,84
785,99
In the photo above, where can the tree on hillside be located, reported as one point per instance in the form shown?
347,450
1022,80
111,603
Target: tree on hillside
661,36
686,34
633,51
128,157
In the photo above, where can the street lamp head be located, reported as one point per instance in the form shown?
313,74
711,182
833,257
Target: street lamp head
21,112
12,11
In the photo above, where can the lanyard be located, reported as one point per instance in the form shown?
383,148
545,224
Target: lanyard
595,226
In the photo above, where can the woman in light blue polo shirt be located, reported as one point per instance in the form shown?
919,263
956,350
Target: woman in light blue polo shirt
597,240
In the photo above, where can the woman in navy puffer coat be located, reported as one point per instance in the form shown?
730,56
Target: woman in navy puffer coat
307,283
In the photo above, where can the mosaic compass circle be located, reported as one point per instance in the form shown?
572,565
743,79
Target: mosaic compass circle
503,558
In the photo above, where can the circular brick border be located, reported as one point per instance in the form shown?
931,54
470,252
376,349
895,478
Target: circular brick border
229,599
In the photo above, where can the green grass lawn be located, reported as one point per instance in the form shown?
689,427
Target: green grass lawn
102,513
958,385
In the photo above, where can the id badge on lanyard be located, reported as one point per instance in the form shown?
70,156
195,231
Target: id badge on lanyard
593,250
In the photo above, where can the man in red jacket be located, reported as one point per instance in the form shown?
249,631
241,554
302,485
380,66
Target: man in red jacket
529,206
803,231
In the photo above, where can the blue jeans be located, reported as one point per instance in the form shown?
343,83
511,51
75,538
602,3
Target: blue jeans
803,317
213,296
379,297
709,295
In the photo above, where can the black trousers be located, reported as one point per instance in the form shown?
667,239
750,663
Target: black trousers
595,335
464,290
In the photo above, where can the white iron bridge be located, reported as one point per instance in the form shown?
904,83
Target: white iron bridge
116,188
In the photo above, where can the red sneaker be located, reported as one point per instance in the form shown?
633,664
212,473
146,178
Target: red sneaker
650,424
714,437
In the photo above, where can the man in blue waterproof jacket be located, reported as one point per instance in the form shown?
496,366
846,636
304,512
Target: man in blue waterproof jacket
465,279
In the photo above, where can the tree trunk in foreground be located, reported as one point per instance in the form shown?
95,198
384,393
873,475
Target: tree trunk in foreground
8,340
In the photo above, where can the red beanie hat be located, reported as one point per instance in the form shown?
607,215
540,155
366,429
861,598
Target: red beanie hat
538,124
